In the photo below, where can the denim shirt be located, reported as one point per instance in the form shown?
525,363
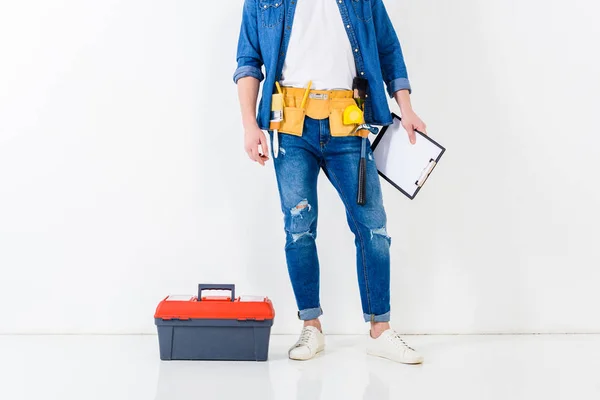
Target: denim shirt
265,35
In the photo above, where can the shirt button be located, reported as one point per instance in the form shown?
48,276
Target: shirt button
356,50
362,73
348,26
265,6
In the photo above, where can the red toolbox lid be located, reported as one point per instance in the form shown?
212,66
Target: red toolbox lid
215,307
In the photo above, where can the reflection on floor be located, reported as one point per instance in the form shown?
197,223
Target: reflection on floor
456,367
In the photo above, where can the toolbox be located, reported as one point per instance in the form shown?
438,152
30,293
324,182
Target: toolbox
214,328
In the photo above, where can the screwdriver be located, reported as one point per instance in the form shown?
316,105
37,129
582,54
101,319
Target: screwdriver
277,105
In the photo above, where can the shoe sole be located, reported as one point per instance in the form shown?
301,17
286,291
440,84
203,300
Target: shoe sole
306,358
375,354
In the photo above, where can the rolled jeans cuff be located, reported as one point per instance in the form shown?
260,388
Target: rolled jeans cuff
310,313
377,318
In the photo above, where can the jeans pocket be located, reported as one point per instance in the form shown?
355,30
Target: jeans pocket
363,10
271,13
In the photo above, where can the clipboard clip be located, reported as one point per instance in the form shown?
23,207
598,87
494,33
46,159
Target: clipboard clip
426,172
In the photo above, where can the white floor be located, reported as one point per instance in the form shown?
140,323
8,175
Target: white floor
456,367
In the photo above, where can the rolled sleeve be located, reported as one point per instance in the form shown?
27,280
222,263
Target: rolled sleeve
249,58
398,84
393,67
248,70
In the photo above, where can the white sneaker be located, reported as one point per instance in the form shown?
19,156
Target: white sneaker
391,346
311,342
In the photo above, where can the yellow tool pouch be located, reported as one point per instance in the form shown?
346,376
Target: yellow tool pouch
319,104
336,117
293,120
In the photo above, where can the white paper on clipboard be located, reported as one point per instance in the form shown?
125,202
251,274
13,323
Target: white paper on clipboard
404,165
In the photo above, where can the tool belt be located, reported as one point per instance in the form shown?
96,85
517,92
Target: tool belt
317,104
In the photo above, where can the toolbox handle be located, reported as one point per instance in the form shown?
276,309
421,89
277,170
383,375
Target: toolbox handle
210,286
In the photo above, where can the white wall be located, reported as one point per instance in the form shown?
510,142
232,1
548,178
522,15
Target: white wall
123,178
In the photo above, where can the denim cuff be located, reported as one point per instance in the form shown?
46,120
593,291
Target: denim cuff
310,313
398,84
248,70
377,318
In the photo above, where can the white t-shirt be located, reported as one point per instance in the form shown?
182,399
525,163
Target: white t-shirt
319,48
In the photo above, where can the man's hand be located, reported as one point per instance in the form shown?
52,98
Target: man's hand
253,138
412,122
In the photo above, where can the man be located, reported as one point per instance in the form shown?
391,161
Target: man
315,52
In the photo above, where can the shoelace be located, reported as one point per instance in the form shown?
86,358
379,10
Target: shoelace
397,336
305,337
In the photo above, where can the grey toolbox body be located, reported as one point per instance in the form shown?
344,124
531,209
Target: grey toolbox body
214,328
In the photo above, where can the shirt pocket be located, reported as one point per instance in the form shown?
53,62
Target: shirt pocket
271,13
363,10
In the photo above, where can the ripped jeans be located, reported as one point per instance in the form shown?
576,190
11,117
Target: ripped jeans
297,168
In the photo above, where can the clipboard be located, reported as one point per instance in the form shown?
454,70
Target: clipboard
404,165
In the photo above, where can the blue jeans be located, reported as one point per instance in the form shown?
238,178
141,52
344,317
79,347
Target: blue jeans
297,168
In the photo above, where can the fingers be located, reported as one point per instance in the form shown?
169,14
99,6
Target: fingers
256,155
411,133
253,153
422,127
262,159
255,145
412,137
264,145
